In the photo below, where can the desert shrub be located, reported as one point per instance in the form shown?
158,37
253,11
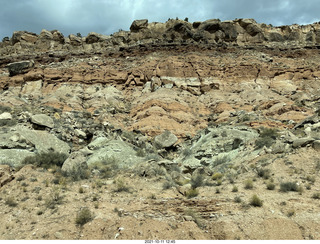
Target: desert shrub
271,186
140,153
84,215
220,160
235,189
4,109
107,168
196,181
81,190
290,213
219,182
267,137
77,173
192,193
288,186
237,199
248,184
8,122
256,201
121,185
11,202
311,179
21,178
54,199
316,195
168,184
46,160
186,152
217,176
264,173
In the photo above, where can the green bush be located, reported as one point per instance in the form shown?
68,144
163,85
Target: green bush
267,137
83,216
256,201
168,184
221,160
77,173
291,213
271,186
54,199
217,176
235,189
11,202
288,186
186,152
107,168
121,185
237,199
192,193
46,160
248,184
316,195
264,173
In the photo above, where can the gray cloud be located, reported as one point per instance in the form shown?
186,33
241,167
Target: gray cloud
108,16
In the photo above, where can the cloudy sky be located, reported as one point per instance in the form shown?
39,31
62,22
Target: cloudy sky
108,16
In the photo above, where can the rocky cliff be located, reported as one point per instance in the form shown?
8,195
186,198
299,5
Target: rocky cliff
197,108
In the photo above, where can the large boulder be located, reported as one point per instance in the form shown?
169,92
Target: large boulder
20,67
138,25
212,25
76,162
43,141
119,151
251,26
217,148
5,116
165,140
24,36
42,120
75,40
95,37
14,157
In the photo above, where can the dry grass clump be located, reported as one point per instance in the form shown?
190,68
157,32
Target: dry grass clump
83,216
256,201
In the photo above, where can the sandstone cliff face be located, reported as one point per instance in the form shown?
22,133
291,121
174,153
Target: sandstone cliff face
240,32
165,103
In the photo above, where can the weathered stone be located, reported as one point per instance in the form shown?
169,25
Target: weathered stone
316,145
5,115
14,157
75,40
165,140
211,25
138,25
43,120
95,37
119,151
302,142
279,147
80,133
74,163
43,141
98,143
20,67
19,36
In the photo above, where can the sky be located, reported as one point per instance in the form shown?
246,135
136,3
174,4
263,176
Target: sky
109,16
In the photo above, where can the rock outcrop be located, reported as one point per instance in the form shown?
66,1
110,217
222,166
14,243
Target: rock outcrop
157,115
